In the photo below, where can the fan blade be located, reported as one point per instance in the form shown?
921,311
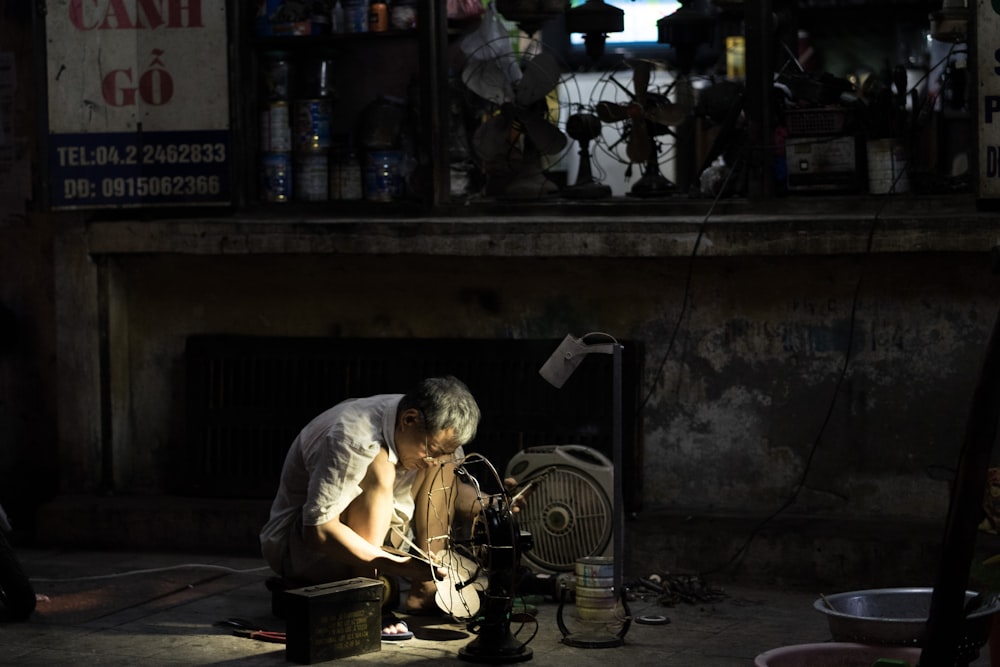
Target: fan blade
611,112
638,143
488,80
492,139
458,593
546,137
541,74
640,78
667,113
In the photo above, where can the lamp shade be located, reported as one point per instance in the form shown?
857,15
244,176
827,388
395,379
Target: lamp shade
595,16
685,27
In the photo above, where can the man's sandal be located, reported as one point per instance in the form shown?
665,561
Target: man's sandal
391,619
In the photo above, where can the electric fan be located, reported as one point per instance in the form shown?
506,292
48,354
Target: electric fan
520,126
642,114
584,127
482,554
569,510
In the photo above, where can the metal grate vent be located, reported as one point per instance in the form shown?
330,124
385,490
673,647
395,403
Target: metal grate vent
569,516
247,397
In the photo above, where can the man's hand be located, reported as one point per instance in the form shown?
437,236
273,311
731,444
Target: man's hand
517,495
411,566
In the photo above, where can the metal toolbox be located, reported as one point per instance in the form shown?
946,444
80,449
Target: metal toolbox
333,620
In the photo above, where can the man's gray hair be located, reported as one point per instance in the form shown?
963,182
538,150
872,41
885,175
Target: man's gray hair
445,403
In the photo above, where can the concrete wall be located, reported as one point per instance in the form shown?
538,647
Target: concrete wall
28,461
741,367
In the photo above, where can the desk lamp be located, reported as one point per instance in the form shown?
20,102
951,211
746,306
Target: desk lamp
556,370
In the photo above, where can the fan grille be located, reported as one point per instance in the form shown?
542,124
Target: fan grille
569,517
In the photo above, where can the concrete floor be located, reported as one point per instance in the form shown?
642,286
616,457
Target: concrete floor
128,608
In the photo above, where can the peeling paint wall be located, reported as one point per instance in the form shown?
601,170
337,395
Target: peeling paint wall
742,370
756,384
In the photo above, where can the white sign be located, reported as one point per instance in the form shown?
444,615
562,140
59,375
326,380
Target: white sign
988,35
138,96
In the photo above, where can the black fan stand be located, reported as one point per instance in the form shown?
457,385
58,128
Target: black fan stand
584,128
503,544
652,183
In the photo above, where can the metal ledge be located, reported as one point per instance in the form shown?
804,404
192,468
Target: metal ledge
788,227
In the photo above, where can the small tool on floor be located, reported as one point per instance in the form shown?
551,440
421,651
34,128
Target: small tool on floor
244,628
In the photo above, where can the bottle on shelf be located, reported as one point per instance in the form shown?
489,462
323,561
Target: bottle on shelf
355,15
378,16
345,171
337,19
275,140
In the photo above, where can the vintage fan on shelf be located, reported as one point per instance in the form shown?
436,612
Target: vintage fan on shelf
584,127
519,135
642,112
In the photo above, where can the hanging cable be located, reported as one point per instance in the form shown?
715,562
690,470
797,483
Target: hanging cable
741,551
687,286
800,484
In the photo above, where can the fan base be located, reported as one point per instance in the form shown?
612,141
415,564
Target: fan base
592,190
496,652
593,641
652,184
530,184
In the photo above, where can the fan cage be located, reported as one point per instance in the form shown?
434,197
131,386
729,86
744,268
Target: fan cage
563,100
569,516
616,86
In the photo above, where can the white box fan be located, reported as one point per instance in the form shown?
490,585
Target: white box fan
569,508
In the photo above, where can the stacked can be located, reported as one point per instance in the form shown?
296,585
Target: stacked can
310,160
275,130
383,175
355,15
595,590
311,131
378,16
345,171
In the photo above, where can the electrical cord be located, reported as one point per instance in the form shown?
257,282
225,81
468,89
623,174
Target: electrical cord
687,285
741,551
154,570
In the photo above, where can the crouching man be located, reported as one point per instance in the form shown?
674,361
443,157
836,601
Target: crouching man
360,469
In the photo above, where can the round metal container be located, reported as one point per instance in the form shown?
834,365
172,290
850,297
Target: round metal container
383,176
356,16
275,177
311,177
346,181
595,570
897,617
378,16
311,125
275,130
